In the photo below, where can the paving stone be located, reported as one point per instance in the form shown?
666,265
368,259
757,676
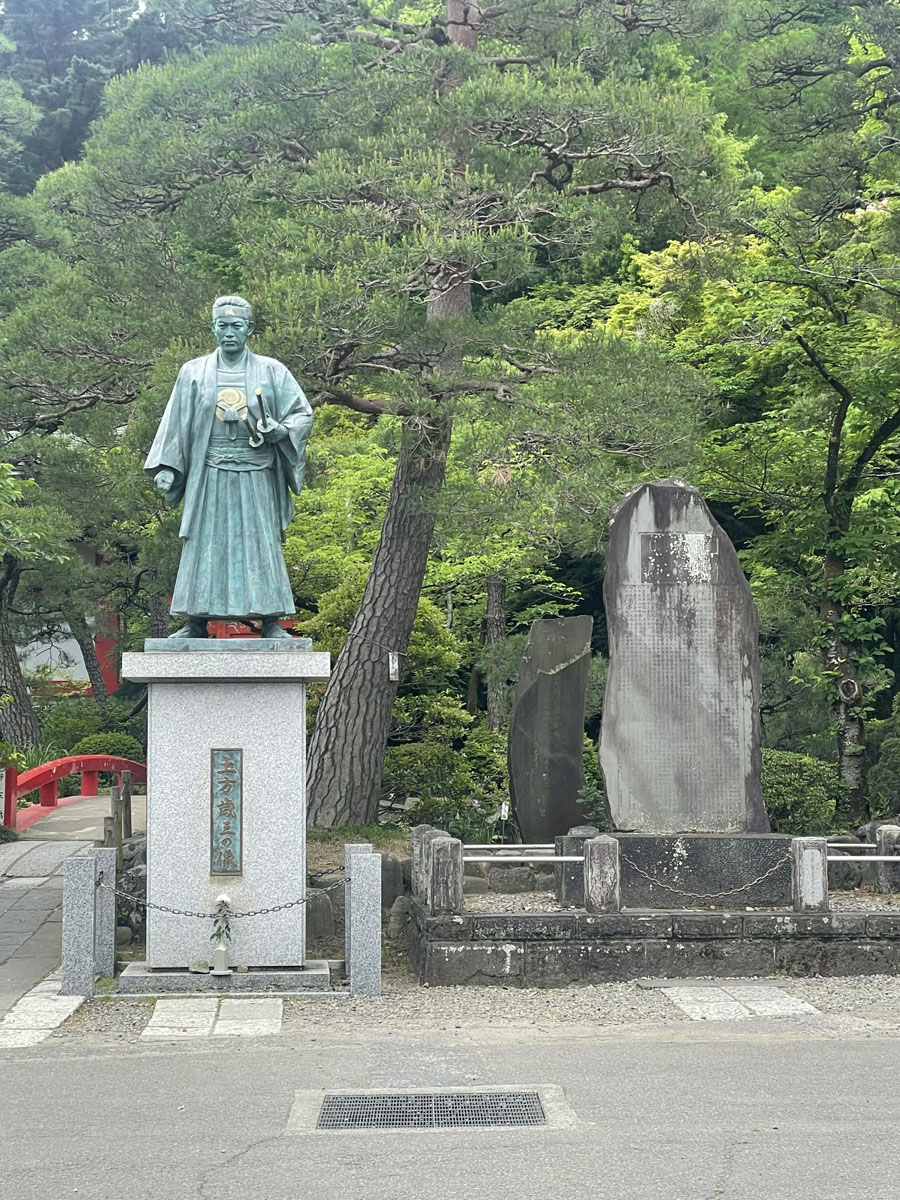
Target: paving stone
190,1017
706,1004
249,1018
769,1001
11,851
18,1039
43,859
41,1011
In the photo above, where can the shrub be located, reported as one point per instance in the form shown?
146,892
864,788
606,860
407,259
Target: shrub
122,745
71,720
801,793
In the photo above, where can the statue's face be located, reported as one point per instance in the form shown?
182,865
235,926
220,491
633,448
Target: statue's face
232,333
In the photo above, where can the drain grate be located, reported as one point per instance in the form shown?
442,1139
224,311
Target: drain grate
430,1110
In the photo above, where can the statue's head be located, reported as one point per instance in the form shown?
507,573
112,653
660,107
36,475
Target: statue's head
232,323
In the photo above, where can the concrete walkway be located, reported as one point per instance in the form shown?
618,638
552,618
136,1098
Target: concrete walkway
31,891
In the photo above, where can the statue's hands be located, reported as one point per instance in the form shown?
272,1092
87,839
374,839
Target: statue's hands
164,479
278,434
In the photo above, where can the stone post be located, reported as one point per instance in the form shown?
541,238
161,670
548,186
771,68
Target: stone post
809,874
364,907
570,876
417,858
601,875
445,877
350,848
887,874
105,932
78,924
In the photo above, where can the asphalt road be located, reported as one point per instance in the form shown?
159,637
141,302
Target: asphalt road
759,1109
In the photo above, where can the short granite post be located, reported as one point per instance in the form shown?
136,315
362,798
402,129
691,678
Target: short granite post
445,877
350,848
78,924
105,933
809,874
570,876
887,874
601,875
364,907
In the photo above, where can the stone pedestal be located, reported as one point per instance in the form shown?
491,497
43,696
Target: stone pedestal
226,794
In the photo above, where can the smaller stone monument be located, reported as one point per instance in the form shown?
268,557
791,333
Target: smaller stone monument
680,744
546,733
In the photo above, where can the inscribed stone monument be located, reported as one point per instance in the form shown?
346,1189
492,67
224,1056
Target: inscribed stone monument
546,733
680,744
232,445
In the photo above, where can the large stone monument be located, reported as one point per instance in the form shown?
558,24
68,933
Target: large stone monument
226,802
546,732
680,744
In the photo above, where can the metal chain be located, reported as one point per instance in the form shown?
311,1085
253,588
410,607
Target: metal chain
746,887
207,916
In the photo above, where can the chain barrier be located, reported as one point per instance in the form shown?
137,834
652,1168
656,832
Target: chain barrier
746,887
217,915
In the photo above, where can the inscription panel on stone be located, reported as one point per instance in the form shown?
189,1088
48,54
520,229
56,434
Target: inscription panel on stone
681,558
226,816
700,736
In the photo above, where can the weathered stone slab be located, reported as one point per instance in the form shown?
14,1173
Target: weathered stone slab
623,925
713,956
546,733
515,928
680,746
707,925
693,870
558,964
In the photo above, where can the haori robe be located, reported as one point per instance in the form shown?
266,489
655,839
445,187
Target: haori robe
237,499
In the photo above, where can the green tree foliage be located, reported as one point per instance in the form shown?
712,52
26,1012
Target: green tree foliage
801,794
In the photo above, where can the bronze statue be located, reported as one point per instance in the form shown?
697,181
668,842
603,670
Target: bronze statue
232,445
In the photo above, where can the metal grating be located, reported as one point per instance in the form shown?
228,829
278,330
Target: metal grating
430,1110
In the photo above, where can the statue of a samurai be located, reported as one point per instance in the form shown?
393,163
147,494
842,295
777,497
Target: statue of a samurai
232,444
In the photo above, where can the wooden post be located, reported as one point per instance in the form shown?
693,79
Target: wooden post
49,794
9,777
108,836
89,783
126,804
117,814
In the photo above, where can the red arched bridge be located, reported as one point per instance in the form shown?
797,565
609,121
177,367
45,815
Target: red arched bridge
47,777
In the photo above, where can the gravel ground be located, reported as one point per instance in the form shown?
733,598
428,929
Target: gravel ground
406,1004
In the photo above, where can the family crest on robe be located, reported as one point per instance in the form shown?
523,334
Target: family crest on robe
237,494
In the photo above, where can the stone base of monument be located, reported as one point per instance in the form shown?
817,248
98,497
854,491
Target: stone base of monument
226,798
535,950
138,979
702,870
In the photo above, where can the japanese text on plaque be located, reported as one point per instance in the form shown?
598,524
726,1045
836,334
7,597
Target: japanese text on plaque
226,826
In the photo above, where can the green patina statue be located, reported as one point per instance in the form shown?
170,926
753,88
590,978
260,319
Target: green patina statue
232,445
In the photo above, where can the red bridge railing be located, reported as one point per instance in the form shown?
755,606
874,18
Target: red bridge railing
47,776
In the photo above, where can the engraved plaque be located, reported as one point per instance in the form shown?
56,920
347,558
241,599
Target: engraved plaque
226,819
678,558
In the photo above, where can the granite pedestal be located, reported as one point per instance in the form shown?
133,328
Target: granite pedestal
226,734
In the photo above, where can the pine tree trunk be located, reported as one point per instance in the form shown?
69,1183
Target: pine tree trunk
84,636
842,665
159,614
346,752
18,723
495,633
